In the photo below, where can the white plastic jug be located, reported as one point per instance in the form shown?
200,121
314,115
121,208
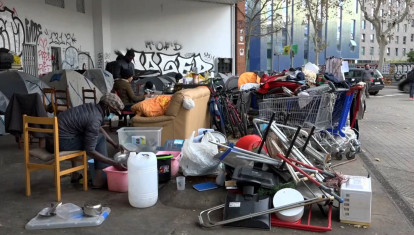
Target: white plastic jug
142,179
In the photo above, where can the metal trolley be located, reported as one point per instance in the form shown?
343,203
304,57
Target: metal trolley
304,111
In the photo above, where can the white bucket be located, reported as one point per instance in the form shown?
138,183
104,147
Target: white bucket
142,179
287,196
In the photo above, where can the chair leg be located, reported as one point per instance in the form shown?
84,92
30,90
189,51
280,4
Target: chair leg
85,172
28,191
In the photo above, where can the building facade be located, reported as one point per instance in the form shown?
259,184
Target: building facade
340,31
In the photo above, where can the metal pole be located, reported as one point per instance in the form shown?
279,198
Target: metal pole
271,40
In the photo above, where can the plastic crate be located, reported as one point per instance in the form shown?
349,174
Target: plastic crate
140,139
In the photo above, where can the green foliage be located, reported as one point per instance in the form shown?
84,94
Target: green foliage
410,56
273,191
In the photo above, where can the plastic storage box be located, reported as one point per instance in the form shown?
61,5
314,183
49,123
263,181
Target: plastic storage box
140,139
357,195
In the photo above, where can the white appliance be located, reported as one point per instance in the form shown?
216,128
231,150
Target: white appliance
357,195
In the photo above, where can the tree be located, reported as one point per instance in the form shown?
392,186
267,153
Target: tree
385,15
262,19
410,56
316,13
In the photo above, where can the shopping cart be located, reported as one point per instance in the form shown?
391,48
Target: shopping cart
304,111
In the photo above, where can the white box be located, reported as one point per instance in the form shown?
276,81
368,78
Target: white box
357,195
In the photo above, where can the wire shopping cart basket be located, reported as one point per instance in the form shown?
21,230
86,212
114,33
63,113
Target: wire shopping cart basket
304,111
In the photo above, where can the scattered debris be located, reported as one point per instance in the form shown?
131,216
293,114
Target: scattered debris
342,226
357,226
377,159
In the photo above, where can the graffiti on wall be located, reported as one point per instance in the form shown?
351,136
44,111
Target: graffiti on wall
102,59
76,59
11,30
33,31
60,38
166,63
44,60
159,46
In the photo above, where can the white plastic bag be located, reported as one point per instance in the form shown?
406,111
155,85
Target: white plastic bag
198,158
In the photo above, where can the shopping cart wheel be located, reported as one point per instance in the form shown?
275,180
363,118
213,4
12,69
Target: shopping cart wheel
337,156
350,155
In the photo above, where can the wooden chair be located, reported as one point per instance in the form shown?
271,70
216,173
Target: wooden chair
88,94
48,94
61,100
46,160
125,113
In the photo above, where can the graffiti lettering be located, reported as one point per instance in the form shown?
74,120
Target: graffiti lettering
33,31
170,63
11,30
44,57
75,59
102,59
208,56
159,46
61,38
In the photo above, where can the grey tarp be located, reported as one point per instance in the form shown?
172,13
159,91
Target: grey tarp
4,101
18,82
102,79
158,81
73,81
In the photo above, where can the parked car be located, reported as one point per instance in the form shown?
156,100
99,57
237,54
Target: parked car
404,85
376,82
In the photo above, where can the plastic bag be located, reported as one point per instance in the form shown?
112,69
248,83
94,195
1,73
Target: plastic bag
198,158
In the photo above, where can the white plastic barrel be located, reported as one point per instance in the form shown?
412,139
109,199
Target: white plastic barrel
142,179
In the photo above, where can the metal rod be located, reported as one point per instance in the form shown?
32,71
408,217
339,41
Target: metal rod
308,139
266,132
291,146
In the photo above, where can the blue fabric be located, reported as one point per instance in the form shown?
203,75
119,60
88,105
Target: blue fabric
76,143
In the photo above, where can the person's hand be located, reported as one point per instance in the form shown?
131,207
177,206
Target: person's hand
121,148
120,166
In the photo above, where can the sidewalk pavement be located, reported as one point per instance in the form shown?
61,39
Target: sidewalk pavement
388,140
175,212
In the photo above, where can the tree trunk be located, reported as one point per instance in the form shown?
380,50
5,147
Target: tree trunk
247,52
382,44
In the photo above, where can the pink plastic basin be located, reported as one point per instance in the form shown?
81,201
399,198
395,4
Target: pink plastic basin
117,180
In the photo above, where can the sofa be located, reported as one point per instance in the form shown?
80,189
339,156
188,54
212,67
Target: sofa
179,122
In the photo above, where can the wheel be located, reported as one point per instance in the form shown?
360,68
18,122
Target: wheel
338,156
350,155
373,92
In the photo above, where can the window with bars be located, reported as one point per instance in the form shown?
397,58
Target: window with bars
362,50
363,24
396,51
56,3
371,51
80,6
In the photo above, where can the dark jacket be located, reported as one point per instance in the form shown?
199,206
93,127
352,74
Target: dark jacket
30,104
83,121
121,65
125,92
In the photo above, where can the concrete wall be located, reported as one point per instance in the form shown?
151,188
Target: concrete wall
171,35
36,23
168,35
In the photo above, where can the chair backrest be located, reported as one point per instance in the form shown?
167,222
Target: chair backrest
88,94
40,125
62,99
48,94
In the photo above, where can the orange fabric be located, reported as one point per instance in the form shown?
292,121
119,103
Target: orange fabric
152,107
248,77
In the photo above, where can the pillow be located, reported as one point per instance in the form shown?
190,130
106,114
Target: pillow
152,107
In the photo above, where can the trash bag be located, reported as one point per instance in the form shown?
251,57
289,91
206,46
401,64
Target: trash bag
198,158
